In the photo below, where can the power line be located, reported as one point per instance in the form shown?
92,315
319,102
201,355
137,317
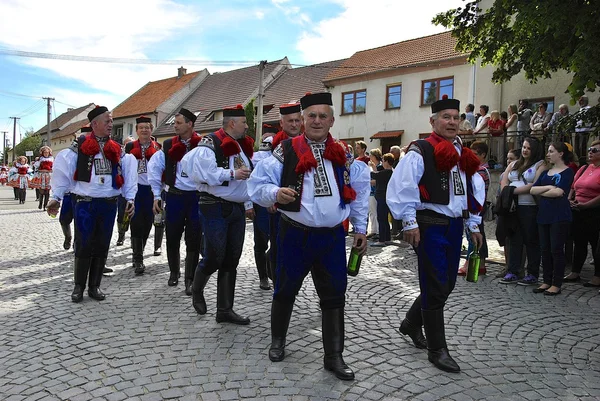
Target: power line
119,60
7,93
68,105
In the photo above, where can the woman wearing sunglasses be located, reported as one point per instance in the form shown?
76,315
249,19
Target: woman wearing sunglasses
585,203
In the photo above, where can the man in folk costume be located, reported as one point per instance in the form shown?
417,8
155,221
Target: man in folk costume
263,215
290,120
122,227
434,189
141,223
220,167
316,186
181,214
67,207
96,171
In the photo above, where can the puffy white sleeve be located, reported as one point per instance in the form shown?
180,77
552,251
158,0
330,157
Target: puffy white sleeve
201,165
403,196
479,193
360,180
265,181
129,165
156,167
63,171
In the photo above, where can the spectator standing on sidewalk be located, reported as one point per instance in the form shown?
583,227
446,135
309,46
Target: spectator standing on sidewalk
522,174
554,216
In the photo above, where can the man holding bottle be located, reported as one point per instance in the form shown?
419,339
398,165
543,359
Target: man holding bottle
434,188
316,186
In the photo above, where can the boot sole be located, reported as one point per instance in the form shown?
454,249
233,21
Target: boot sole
341,377
444,368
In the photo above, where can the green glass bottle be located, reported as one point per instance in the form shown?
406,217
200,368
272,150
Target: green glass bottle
473,269
354,261
124,226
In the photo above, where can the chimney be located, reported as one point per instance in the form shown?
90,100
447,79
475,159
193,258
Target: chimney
181,72
69,109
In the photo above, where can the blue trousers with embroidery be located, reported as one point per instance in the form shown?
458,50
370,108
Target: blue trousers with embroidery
141,222
438,258
224,227
181,214
321,251
66,210
94,222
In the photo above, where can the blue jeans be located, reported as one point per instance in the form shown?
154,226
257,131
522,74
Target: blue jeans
552,241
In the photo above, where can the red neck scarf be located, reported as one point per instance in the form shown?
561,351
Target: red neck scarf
446,156
278,138
334,152
230,147
111,150
137,150
178,148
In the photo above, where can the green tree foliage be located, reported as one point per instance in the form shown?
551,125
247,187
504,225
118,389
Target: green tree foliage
31,142
249,110
538,37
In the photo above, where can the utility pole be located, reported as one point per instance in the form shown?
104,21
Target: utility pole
47,141
14,136
261,94
4,155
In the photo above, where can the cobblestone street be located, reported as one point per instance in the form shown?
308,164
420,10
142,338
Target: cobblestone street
145,341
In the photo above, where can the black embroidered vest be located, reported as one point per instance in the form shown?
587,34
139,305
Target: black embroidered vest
85,163
436,182
289,177
170,166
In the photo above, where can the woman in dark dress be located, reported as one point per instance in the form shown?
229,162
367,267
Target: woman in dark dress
381,179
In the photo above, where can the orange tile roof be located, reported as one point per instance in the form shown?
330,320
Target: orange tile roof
414,52
151,95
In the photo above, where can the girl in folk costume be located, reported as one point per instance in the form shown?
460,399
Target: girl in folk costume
12,179
3,175
21,181
41,181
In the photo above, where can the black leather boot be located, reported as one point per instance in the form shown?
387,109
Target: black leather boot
191,262
137,247
412,325
174,261
158,237
66,229
333,343
96,269
433,322
280,321
225,295
80,270
198,302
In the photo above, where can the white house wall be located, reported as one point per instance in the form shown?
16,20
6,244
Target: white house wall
411,117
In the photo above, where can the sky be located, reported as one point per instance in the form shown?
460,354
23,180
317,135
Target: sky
216,35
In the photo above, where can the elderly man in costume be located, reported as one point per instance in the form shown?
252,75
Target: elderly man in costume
316,186
220,167
434,189
181,213
96,172
141,223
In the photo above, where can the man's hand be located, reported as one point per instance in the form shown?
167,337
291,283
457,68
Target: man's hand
413,237
477,239
52,208
360,242
130,209
242,173
156,209
286,195
250,214
272,209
